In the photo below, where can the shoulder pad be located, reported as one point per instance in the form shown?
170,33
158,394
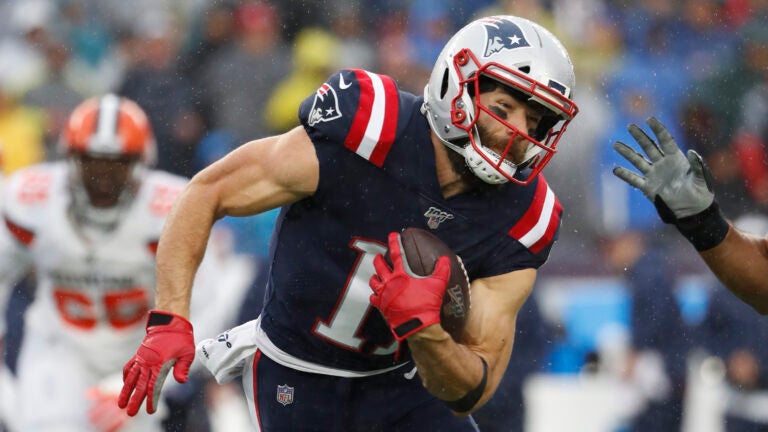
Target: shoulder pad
357,108
26,194
30,192
160,192
537,227
29,186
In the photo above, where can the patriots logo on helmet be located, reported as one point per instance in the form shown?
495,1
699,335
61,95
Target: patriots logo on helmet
325,107
503,34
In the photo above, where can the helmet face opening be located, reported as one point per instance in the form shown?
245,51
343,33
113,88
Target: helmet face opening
106,179
505,50
542,142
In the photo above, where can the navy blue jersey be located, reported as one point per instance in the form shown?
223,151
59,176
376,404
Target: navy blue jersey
378,175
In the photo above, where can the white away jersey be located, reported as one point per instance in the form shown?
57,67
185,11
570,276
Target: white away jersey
94,294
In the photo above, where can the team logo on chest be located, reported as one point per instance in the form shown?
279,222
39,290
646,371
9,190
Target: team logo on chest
435,217
285,394
325,107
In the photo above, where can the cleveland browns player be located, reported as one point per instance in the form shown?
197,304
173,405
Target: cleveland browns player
88,227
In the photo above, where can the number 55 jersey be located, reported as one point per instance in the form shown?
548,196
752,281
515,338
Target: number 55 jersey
92,291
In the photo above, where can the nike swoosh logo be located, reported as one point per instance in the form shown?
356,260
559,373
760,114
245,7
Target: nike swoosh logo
411,374
342,84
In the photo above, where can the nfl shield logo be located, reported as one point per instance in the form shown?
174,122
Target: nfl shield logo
285,394
435,217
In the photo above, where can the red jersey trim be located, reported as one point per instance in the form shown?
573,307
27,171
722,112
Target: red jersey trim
152,247
23,235
375,124
537,228
255,383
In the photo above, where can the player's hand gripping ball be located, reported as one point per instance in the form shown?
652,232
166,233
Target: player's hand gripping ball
439,291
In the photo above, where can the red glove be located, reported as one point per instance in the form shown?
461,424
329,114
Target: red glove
168,343
408,302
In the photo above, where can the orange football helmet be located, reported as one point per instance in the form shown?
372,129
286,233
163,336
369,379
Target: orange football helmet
109,143
109,126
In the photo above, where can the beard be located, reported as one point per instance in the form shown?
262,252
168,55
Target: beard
473,182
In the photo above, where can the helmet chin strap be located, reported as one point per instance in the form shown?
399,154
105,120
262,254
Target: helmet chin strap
479,166
92,223
101,219
476,163
484,170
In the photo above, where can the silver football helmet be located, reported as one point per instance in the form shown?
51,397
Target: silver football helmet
522,56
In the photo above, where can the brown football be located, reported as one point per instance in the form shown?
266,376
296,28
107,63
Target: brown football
421,249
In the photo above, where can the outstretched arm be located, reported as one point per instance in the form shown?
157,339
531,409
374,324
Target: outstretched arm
256,177
680,187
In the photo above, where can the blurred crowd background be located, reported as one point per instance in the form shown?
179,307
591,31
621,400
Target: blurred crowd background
623,302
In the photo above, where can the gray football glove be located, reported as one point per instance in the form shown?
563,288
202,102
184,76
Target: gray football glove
679,186
675,183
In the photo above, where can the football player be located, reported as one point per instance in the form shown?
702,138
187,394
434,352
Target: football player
679,185
462,161
88,226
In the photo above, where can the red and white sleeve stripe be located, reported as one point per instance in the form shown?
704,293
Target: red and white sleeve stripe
375,123
23,235
537,228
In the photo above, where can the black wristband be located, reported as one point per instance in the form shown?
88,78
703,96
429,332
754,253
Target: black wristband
470,399
158,318
704,230
407,327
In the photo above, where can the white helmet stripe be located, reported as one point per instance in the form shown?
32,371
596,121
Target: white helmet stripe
105,138
107,124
